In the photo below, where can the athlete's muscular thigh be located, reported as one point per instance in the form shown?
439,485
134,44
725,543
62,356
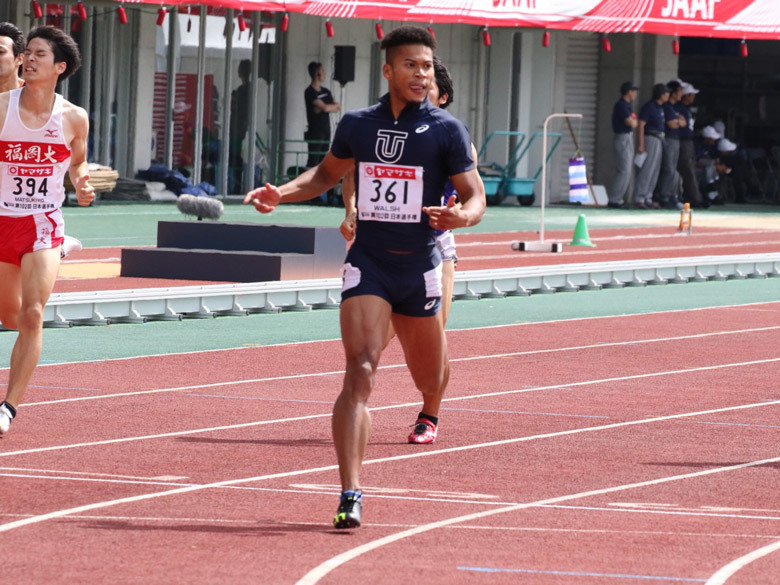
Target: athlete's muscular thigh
425,349
38,274
364,323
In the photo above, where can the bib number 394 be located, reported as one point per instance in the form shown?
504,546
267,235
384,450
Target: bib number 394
30,186
391,193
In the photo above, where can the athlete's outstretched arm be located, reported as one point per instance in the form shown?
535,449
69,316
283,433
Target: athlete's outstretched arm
79,170
305,186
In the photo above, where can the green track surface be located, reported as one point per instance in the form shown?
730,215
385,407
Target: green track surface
118,341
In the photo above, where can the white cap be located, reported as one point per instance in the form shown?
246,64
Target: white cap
710,132
720,128
688,88
726,145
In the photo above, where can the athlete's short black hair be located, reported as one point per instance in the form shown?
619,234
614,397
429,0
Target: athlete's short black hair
17,37
443,82
314,66
406,35
62,45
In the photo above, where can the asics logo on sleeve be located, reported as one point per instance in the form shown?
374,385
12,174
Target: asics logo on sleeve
390,145
421,129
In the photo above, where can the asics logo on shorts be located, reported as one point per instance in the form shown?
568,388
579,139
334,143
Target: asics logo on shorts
390,145
429,305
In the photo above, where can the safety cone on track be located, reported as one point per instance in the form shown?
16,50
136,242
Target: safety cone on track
581,237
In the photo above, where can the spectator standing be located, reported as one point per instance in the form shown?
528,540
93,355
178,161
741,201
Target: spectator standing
686,162
652,122
240,99
668,183
624,121
319,105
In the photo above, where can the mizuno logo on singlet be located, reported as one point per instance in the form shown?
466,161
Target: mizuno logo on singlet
390,145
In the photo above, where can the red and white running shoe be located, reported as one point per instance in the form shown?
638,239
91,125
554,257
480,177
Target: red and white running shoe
424,432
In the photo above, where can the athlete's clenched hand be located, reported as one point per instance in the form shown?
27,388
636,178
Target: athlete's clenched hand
265,198
348,226
85,193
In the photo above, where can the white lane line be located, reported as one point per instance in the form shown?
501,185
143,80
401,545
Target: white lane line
415,455
93,474
691,512
723,574
543,529
566,386
403,365
323,569
466,329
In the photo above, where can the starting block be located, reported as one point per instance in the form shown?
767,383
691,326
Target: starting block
686,220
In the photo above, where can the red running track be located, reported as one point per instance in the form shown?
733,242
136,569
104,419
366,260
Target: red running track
611,450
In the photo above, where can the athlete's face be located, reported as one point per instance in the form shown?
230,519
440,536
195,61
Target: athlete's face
410,73
39,61
9,65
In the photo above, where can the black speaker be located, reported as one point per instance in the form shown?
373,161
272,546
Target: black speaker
264,62
344,63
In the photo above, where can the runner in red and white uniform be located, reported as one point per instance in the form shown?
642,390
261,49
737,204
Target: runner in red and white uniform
12,44
42,136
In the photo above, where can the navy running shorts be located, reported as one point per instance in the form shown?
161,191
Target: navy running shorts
411,283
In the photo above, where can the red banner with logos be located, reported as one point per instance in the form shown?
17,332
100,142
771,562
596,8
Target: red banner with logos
748,19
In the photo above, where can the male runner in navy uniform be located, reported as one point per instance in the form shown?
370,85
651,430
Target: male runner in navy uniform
404,149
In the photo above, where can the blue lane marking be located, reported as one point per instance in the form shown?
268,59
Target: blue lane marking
738,425
521,412
578,574
256,398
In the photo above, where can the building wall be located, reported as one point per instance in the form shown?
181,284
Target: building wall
486,99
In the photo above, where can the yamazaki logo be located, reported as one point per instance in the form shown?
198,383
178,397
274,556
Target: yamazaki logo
703,9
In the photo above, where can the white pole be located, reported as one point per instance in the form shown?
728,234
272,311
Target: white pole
544,165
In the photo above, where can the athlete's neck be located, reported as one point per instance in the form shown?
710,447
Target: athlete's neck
9,82
398,104
315,84
37,102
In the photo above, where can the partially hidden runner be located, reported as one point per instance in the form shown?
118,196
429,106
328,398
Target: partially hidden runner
42,137
403,149
441,94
